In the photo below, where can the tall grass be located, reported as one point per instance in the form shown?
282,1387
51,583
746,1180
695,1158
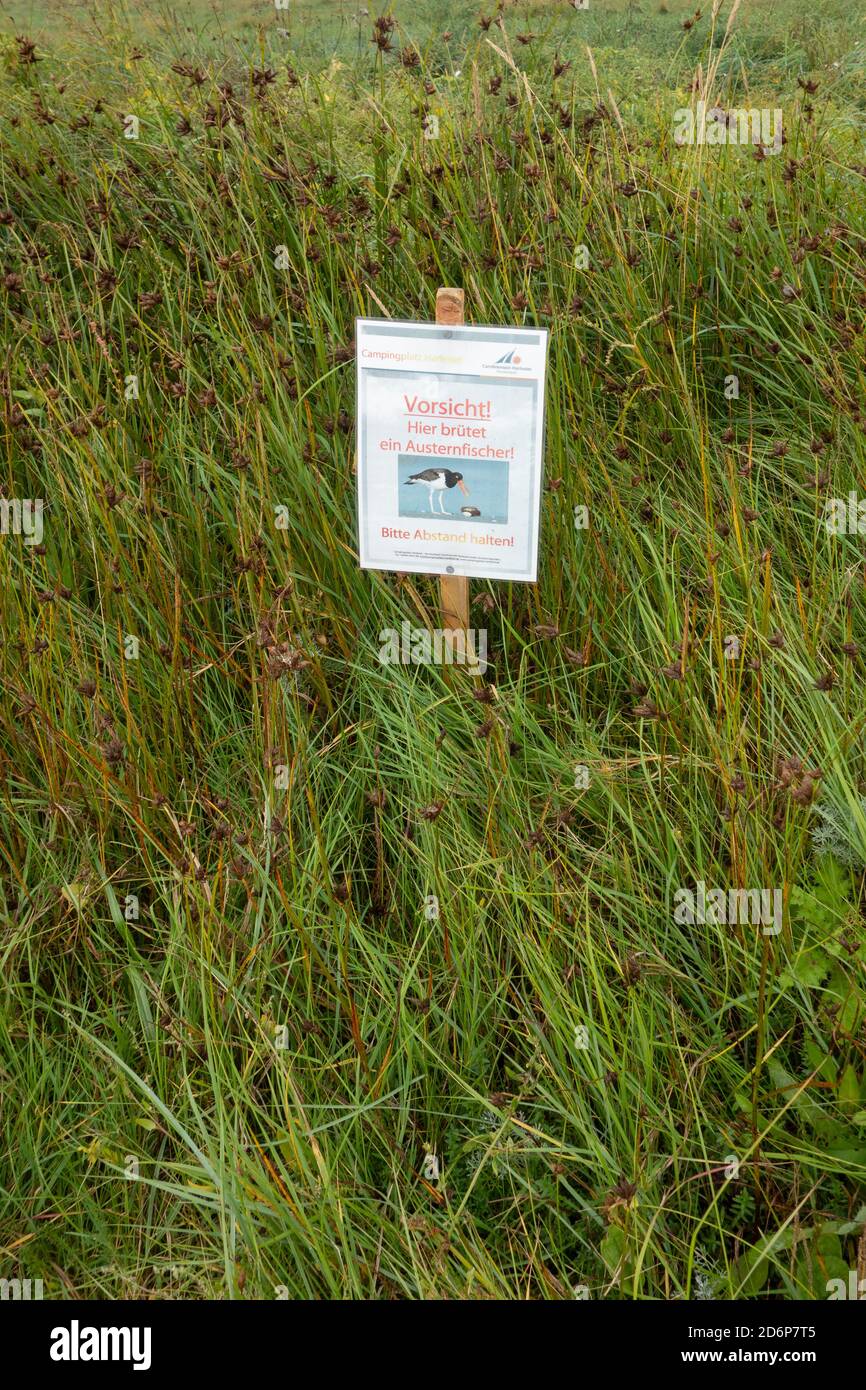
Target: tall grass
280,923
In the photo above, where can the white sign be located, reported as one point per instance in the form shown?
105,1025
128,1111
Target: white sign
450,441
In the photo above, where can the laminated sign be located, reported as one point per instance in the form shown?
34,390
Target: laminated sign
450,439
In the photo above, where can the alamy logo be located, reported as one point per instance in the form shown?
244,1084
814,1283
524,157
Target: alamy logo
856,1288
843,518
20,1289
730,907
22,517
421,646
76,1343
741,126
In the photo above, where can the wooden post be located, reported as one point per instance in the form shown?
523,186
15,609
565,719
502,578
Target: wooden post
453,588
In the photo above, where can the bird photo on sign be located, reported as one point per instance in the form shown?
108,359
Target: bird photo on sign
473,488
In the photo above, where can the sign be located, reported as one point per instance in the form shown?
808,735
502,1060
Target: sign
450,447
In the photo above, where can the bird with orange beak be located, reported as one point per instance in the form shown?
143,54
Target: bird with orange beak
436,480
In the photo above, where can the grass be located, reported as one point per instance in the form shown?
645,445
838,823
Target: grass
281,925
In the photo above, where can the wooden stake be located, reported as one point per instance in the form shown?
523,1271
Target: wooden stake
453,588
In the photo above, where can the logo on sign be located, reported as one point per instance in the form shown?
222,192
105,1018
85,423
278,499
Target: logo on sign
509,361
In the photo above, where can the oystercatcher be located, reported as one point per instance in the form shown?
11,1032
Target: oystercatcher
436,480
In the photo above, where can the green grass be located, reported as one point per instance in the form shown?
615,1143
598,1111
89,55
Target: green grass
285,1027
